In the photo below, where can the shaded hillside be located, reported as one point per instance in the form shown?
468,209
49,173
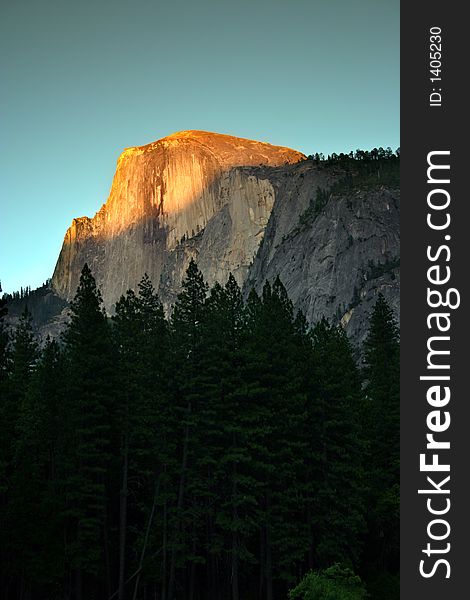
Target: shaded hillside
48,310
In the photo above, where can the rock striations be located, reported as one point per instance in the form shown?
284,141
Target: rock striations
237,206
168,192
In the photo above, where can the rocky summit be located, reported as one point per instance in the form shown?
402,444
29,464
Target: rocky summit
243,207
190,184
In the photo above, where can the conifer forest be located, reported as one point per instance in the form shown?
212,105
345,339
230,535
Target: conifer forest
225,451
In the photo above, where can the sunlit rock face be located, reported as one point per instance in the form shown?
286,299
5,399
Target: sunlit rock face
238,206
180,197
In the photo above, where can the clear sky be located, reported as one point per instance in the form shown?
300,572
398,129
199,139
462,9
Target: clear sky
82,79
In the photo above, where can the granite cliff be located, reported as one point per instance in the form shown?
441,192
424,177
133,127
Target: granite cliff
245,207
183,186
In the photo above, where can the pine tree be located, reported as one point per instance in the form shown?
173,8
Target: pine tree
126,334
36,488
336,468
4,404
187,327
382,418
275,406
381,373
141,335
89,397
161,465
226,456
4,341
24,356
5,441
188,311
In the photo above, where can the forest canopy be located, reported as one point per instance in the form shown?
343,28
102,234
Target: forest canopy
223,452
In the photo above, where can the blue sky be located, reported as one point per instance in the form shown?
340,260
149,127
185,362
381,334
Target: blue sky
83,80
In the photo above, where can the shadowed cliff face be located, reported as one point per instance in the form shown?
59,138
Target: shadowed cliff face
242,207
163,194
333,263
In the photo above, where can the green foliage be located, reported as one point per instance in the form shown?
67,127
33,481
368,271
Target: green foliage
376,270
334,583
24,355
140,333
219,452
368,175
381,373
361,171
383,585
35,498
89,370
4,404
336,448
321,199
274,375
19,365
42,302
381,415
359,156
4,340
